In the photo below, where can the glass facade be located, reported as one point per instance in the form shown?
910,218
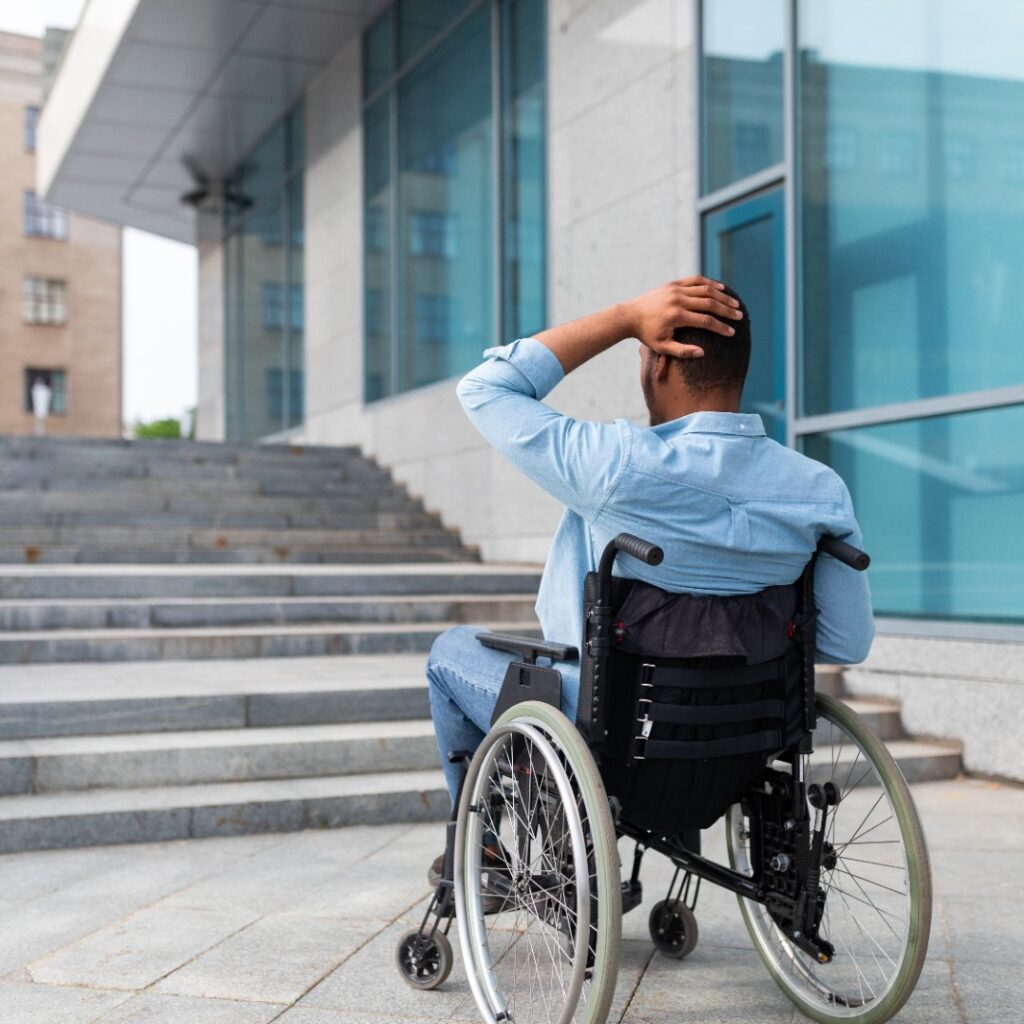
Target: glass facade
43,220
913,284
741,79
453,149
263,285
903,217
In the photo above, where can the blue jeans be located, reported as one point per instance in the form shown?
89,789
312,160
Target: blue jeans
465,678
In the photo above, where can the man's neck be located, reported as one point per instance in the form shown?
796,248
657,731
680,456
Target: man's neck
689,402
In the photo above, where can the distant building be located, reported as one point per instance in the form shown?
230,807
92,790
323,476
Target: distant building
60,275
381,190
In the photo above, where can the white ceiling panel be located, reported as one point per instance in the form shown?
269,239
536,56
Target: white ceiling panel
207,24
154,66
313,36
182,83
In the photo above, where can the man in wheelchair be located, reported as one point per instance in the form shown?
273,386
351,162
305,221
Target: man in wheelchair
692,692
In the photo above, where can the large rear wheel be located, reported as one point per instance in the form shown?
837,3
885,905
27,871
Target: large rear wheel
875,877
537,874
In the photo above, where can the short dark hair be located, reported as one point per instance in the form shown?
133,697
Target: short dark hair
726,359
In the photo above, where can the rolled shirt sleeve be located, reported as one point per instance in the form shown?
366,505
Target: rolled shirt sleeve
577,462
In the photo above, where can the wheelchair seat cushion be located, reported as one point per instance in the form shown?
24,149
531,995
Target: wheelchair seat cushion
700,693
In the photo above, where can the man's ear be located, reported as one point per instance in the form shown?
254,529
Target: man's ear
662,368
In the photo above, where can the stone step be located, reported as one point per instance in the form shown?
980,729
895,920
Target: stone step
144,501
919,760
57,582
73,554
141,760
104,613
222,488
882,716
29,447
102,698
102,816
68,524
34,647
143,536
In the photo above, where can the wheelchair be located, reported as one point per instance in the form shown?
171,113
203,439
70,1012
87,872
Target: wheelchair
691,709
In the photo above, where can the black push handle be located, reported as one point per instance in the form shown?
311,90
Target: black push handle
846,553
642,549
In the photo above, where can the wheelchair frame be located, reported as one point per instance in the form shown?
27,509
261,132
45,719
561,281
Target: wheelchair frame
800,835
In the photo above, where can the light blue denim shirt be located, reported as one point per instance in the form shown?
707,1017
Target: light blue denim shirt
734,511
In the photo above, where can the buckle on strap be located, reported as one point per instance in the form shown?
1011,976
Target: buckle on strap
643,719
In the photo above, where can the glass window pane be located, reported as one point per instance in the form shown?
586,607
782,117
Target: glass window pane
940,504
296,310
378,53
743,246
377,357
742,102
523,170
446,203
262,337
912,199
419,22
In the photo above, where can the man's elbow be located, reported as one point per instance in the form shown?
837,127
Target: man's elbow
849,648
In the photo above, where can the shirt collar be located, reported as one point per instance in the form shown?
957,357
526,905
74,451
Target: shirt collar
738,423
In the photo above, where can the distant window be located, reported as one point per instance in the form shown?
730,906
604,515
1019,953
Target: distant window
960,157
31,118
273,306
42,219
751,140
275,393
376,229
56,380
898,155
432,233
840,148
44,301
433,319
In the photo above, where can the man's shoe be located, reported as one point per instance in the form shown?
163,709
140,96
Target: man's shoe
495,883
435,871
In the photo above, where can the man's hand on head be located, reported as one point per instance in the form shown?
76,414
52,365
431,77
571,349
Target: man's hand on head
689,302
651,318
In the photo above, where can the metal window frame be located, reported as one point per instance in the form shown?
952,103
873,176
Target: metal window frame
786,175
387,91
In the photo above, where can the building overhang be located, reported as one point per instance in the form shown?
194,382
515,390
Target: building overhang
152,99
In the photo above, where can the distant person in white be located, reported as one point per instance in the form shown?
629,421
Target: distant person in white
42,394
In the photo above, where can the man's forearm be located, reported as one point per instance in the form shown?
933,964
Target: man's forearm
579,340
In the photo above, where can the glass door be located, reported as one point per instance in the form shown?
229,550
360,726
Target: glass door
744,246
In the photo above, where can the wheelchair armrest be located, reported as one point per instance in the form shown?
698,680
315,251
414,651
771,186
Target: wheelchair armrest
528,649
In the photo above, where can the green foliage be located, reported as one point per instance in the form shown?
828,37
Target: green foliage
169,427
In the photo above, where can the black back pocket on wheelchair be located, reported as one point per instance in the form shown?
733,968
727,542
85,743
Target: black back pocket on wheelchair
700,693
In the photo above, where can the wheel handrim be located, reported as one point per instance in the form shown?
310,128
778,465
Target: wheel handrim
530,959
869,908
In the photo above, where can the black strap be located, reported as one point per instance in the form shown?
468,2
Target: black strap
682,750
720,675
720,714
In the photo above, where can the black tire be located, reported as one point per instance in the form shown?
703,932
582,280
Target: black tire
424,961
673,928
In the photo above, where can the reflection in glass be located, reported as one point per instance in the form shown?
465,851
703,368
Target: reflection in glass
445,158
741,86
263,286
523,171
912,216
743,246
378,53
377,250
940,502
419,22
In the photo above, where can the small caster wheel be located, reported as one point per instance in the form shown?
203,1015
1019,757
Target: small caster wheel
673,928
424,961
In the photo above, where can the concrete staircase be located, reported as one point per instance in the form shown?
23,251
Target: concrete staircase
201,640
171,668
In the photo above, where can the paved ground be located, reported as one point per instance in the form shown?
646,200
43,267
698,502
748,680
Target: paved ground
301,929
